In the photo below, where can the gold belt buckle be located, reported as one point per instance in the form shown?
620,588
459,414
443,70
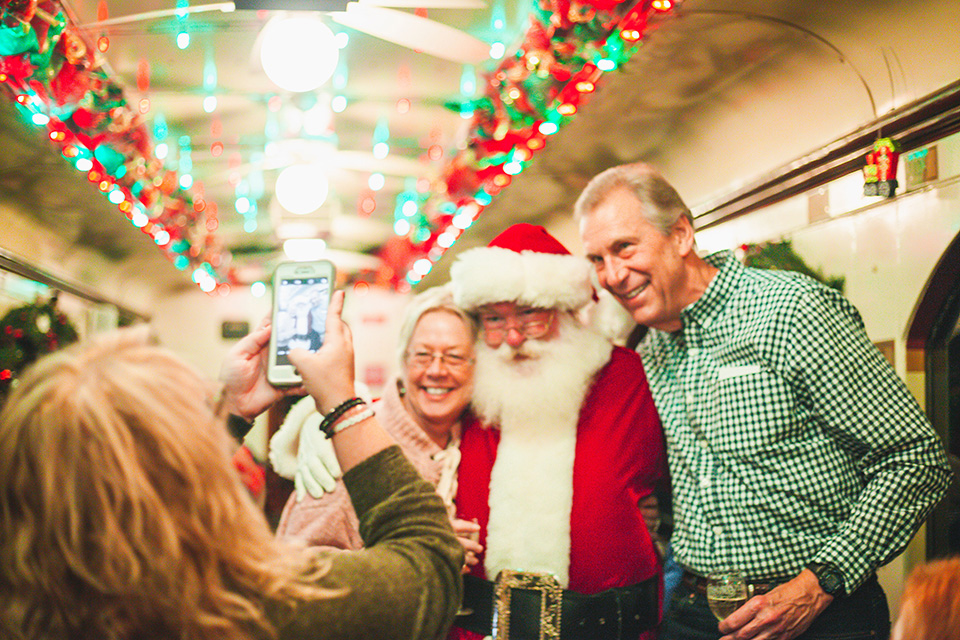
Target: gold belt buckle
551,596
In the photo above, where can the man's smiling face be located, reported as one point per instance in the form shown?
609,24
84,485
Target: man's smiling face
641,266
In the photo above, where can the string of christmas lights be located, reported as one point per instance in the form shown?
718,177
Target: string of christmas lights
59,83
529,97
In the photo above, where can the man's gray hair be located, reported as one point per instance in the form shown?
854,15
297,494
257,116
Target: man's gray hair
662,206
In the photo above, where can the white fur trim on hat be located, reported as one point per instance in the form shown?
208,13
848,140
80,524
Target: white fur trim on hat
492,274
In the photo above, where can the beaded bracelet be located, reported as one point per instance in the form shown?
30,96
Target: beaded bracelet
352,420
328,421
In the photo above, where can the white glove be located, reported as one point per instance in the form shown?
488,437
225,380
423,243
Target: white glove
317,466
282,452
300,452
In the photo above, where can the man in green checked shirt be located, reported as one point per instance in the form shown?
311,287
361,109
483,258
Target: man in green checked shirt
796,453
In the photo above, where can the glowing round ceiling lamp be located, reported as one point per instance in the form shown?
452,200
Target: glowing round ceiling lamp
298,53
302,188
303,249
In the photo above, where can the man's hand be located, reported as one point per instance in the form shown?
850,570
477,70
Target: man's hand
650,511
244,376
782,614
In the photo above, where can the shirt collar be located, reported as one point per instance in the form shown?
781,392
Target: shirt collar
709,305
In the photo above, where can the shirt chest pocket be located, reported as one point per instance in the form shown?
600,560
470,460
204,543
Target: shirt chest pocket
750,408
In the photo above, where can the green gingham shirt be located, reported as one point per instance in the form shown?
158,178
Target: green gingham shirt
790,438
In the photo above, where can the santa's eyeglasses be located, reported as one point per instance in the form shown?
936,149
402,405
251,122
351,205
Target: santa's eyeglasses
533,322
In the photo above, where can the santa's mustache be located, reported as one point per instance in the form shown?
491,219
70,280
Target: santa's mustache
529,350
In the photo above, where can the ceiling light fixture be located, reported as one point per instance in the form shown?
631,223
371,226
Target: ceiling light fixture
298,53
302,188
303,249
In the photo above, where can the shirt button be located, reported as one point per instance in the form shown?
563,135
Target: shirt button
718,531
703,444
693,352
705,481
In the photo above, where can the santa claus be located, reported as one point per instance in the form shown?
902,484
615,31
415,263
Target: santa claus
569,444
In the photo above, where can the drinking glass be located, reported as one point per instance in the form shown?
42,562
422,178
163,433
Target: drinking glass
726,592
475,536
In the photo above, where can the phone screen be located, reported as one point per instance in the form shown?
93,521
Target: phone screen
301,314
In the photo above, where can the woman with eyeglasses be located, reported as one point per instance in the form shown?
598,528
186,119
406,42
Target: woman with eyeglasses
423,412
122,517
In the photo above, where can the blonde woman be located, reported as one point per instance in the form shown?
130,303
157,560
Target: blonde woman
122,517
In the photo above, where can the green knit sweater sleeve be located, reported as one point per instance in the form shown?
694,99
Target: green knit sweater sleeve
406,583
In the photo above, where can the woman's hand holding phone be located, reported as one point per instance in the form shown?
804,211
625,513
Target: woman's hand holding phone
328,374
328,377
247,392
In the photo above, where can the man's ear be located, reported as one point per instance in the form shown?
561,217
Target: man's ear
682,234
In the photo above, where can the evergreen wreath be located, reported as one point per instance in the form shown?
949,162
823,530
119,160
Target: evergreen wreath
26,334
780,255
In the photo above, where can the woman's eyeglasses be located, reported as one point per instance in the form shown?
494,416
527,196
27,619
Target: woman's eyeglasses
422,359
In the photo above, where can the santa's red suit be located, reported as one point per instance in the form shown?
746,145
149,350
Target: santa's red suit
619,458
569,439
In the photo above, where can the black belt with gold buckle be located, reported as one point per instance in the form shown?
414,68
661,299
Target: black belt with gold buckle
532,606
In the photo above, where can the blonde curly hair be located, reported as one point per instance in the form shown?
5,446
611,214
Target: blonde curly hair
121,515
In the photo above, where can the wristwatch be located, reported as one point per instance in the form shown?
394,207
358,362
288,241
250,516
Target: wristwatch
830,578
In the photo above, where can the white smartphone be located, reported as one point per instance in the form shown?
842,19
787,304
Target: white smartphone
301,297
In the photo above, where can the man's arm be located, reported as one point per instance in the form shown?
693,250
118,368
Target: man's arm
857,398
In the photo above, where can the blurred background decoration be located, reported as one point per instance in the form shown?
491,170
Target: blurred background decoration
237,134
143,144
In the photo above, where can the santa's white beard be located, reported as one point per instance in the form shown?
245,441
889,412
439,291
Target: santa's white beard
535,401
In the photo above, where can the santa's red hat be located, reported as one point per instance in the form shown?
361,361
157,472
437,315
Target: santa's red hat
524,264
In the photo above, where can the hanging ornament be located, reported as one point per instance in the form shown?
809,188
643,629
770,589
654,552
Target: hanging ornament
73,48
880,172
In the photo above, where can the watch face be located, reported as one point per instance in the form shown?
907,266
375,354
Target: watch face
830,580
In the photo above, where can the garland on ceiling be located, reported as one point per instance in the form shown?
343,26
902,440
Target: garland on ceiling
60,83
780,255
527,98
26,334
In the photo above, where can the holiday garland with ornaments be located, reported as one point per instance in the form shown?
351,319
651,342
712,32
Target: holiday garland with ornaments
528,97
58,81
26,334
